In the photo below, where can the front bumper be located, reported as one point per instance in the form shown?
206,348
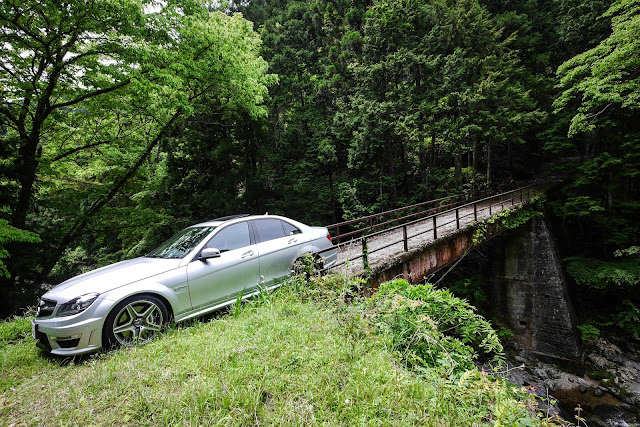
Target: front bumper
68,336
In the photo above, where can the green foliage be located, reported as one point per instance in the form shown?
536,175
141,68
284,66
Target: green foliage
628,318
471,289
624,318
600,274
427,327
510,218
589,332
633,250
606,75
85,130
9,234
598,110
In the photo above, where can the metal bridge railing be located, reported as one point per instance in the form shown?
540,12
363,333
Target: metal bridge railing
454,206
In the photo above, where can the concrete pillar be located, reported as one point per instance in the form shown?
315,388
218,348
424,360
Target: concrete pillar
530,293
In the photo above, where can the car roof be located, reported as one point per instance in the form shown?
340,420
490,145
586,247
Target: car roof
219,221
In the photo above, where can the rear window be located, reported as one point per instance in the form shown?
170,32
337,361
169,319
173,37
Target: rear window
290,230
269,229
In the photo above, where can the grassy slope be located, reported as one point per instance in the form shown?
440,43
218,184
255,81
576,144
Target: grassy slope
283,359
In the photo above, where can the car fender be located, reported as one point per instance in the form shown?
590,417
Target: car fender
151,288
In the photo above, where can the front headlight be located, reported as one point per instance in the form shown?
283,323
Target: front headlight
77,305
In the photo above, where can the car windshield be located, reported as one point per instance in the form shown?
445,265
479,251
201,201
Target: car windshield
182,243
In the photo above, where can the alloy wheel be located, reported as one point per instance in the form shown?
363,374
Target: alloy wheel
137,323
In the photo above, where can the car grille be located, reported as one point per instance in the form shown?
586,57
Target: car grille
45,308
68,343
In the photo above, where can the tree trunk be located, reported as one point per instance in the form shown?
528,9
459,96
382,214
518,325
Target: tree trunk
29,155
510,158
475,155
433,147
489,171
457,163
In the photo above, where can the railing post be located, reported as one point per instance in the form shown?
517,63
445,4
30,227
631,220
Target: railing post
513,200
371,224
501,203
457,218
490,204
521,195
404,235
475,211
365,255
435,228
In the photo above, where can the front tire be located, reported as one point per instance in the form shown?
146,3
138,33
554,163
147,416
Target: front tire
135,321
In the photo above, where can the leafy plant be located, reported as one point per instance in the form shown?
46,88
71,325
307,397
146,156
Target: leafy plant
509,219
589,332
600,274
430,327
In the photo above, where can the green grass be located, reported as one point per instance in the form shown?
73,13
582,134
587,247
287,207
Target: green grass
288,358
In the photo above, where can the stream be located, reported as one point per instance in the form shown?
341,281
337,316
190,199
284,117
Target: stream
603,389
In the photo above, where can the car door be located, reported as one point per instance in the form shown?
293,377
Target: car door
236,270
277,249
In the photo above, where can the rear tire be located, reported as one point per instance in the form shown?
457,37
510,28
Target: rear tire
134,321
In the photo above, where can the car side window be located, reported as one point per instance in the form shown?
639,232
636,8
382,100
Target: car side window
231,237
269,229
290,230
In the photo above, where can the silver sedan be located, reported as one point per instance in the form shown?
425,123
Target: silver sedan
201,269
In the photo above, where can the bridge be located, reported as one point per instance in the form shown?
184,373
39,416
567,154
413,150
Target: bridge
527,287
417,240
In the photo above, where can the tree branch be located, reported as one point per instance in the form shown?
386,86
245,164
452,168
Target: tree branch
89,95
75,150
594,115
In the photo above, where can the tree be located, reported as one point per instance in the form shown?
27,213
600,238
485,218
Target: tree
90,89
601,96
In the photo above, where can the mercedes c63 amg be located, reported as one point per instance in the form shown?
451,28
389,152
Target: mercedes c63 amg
201,269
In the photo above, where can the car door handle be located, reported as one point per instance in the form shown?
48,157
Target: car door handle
247,254
294,240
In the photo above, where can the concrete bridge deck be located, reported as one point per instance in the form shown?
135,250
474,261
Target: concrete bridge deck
385,246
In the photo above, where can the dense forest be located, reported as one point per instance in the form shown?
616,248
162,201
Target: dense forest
123,121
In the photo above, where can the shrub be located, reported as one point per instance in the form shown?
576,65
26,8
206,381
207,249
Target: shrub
428,327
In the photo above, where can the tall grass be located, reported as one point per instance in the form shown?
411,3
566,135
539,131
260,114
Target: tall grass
286,358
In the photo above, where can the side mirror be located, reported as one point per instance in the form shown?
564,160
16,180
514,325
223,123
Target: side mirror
209,253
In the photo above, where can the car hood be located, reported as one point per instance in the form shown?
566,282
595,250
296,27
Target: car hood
110,277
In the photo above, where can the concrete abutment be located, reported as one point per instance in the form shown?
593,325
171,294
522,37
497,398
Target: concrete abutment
529,294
